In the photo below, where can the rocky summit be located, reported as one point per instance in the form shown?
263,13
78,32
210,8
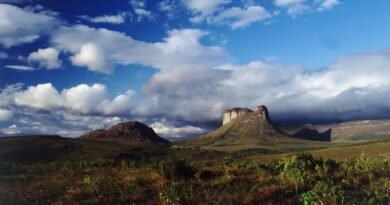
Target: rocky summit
132,132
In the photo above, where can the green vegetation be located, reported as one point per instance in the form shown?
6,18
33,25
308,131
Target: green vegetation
299,179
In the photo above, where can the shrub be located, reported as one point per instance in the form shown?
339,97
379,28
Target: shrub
178,168
324,192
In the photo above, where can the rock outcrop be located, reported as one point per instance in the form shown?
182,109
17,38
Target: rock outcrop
132,132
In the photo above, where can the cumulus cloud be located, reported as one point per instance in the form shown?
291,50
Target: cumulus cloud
20,67
18,26
83,99
92,56
42,109
110,19
120,105
47,58
94,48
42,96
197,92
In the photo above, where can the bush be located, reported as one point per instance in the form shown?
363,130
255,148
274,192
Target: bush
323,193
178,168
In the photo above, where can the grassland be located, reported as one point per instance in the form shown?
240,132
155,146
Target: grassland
66,171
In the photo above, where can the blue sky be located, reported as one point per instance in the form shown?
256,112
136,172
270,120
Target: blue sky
69,67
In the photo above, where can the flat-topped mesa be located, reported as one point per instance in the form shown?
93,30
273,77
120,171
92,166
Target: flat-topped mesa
234,113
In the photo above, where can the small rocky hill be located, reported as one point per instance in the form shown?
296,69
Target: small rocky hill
132,132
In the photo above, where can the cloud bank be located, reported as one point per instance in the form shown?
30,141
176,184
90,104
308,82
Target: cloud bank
353,87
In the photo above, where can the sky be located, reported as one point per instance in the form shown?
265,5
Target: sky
68,67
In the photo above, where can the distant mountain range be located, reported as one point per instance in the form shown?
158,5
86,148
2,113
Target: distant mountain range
338,132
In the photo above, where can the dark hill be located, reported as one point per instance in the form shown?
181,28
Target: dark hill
132,132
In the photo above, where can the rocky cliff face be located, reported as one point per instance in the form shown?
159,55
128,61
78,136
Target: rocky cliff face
231,114
133,132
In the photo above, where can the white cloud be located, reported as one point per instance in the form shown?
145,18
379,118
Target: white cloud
67,115
100,46
111,19
237,17
18,26
47,58
84,98
120,105
298,7
203,8
163,127
5,115
93,57
191,93
327,4
139,8
20,67
42,96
